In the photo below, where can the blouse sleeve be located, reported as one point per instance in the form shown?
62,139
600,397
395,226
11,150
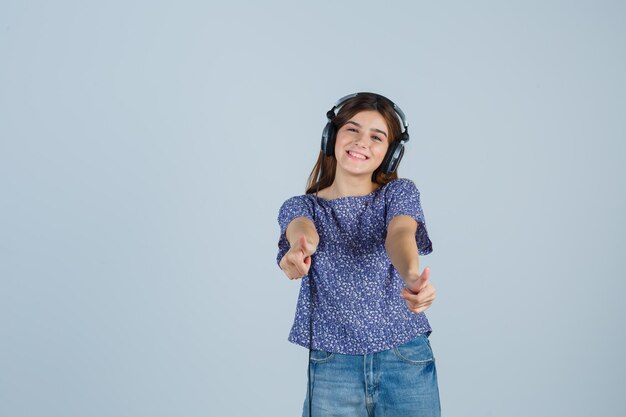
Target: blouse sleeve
403,198
293,208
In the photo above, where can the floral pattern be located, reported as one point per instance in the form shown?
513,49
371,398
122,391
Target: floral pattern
352,290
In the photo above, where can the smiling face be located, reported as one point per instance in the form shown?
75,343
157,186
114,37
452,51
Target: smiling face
361,144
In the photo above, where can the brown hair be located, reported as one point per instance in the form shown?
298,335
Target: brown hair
328,164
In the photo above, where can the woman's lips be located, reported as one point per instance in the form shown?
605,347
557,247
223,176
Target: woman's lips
356,156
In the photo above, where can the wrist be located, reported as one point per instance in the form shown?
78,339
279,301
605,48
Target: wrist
411,278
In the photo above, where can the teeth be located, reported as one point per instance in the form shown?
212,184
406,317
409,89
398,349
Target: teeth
356,155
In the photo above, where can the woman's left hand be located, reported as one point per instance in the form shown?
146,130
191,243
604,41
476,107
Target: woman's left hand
421,294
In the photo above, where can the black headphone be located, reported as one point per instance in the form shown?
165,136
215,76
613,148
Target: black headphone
396,148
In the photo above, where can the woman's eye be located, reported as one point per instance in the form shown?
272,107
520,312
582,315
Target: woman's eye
351,129
376,138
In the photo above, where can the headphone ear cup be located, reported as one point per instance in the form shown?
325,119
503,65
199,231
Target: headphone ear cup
328,139
393,157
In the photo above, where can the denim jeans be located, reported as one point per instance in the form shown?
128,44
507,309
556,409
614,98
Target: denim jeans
398,382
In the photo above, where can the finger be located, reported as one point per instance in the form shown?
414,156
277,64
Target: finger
289,271
408,295
300,273
428,293
419,302
418,307
302,241
295,274
294,266
301,269
296,258
426,296
423,281
303,264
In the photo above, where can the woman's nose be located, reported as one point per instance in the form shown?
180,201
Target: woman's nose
360,140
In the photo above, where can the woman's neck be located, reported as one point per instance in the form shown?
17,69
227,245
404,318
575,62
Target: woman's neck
350,187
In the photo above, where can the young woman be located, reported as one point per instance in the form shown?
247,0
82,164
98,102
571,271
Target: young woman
354,238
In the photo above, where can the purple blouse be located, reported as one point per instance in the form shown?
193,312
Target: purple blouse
354,288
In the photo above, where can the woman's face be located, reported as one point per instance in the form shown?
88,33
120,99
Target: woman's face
362,143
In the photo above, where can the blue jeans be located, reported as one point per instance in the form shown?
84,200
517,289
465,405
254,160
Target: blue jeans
398,382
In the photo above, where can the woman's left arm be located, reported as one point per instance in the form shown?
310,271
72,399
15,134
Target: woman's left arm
401,248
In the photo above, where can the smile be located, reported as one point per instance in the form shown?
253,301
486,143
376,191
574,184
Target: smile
356,155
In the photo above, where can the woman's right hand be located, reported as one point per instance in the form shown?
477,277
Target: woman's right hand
297,261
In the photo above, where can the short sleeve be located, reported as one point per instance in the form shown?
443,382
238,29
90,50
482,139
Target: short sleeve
300,206
403,198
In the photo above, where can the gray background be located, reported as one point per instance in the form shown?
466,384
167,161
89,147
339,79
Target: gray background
145,148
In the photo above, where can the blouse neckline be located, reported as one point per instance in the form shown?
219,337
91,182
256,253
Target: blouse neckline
350,196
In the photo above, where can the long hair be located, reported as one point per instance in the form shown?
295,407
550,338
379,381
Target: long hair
327,165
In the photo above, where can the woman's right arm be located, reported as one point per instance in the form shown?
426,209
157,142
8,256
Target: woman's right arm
303,240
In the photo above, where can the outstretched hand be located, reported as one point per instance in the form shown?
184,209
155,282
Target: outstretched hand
297,261
419,294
